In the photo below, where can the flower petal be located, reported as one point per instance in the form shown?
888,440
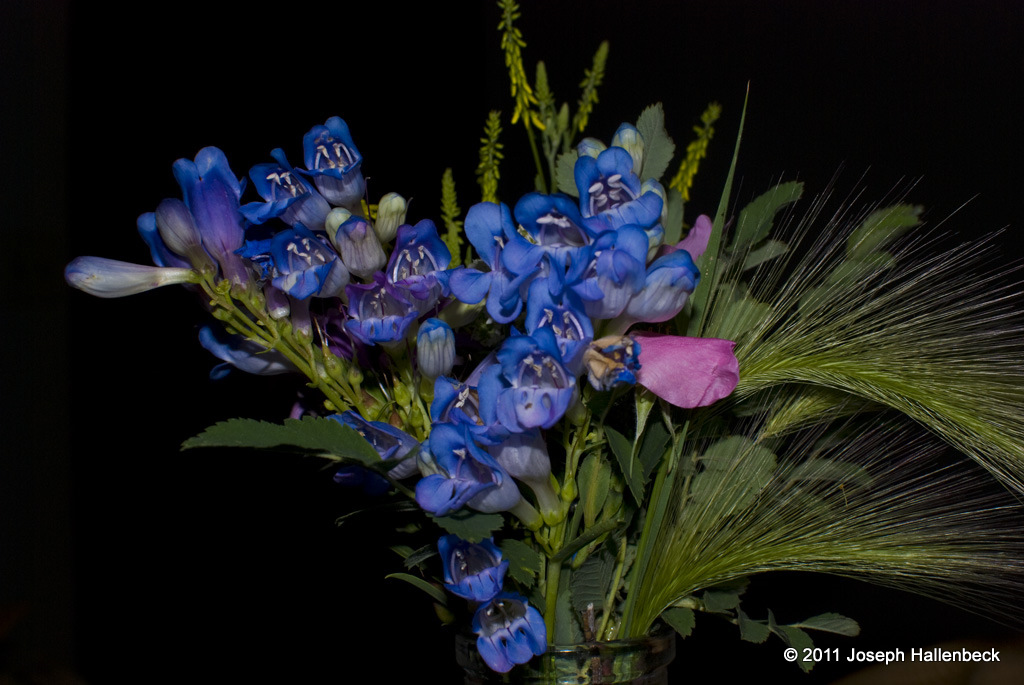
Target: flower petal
688,372
696,241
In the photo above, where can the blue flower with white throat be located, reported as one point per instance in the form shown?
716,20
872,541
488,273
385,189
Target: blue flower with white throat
611,195
298,262
286,195
474,571
489,228
334,163
509,631
528,386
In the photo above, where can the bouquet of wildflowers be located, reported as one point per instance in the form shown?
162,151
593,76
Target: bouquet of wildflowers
600,412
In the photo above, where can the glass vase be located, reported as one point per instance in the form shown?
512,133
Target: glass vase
642,661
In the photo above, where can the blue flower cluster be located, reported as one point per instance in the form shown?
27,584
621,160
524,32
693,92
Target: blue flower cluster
571,276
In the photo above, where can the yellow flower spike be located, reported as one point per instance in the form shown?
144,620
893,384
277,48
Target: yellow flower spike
450,213
592,78
512,43
696,151
490,158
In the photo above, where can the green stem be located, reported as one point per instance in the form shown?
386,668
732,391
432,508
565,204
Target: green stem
554,574
536,157
655,515
609,602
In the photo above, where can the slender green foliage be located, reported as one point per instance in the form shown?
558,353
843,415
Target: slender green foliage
450,214
592,79
696,151
490,158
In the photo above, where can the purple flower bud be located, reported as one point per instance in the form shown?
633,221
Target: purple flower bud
358,245
112,278
211,192
435,348
179,233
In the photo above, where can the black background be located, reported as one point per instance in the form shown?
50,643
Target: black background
126,560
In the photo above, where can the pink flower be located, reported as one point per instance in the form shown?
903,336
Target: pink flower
695,242
688,372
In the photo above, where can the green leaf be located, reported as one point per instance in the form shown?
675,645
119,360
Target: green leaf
565,173
756,219
592,480
682,620
768,251
831,471
471,526
589,583
674,219
751,630
857,269
701,300
658,146
524,562
795,638
436,593
402,550
325,437
881,227
567,624
653,448
830,623
416,558
735,471
740,316
594,532
720,601
632,469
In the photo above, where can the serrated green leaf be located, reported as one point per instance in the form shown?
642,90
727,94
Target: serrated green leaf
592,481
565,173
322,436
632,469
793,637
718,600
471,526
831,471
756,219
658,146
830,623
436,593
524,562
751,630
881,227
735,471
589,584
674,217
681,620
766,252
740,316
567,624
798,640
857,269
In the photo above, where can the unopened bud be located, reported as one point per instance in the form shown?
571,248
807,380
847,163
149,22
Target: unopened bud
390,215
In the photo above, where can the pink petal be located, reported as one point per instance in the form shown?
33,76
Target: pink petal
688,372
696,241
